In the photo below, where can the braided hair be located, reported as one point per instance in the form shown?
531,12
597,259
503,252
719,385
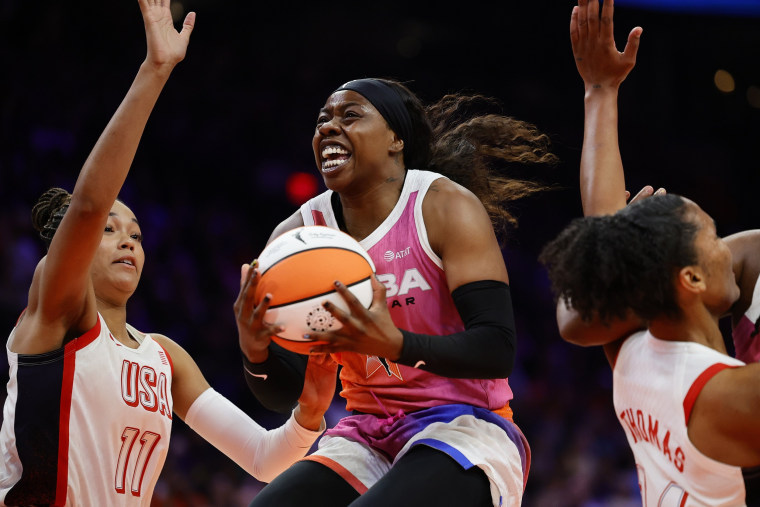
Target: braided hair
605,265
48,212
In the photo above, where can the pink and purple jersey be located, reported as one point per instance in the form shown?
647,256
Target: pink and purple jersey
419,301
746,343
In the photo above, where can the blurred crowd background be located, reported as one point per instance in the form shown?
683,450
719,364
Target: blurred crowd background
226,156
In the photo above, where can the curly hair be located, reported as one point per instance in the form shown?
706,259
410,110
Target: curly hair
454,137
603,266
48,212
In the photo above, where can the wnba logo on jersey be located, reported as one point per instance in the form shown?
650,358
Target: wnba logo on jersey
141,386
411,279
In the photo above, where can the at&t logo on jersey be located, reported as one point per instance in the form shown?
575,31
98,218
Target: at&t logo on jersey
391,255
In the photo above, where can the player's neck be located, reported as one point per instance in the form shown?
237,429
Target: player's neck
116,320
702,328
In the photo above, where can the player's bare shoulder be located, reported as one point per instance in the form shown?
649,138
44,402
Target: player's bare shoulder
448,207
447,200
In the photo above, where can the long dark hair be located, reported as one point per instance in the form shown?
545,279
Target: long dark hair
453,137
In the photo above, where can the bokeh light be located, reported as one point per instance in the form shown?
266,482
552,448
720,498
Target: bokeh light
724,81
300,187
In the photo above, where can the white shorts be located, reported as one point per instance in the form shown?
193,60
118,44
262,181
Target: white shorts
363,448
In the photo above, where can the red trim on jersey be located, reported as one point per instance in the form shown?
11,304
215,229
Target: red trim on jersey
683,499
88,337
318,217
696,387
168,356
19,317
67,385
340,470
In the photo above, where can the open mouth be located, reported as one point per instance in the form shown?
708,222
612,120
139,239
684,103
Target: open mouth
126,261
334,156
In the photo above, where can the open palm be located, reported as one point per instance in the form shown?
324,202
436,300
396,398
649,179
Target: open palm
166,46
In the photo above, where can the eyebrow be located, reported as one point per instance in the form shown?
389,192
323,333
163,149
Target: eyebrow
112,214
342,105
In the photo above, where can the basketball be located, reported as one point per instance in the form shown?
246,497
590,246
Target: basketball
299,269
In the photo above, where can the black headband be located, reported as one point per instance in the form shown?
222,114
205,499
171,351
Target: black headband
388,103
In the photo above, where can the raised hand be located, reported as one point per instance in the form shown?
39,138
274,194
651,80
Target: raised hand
254,334
366,331
599,62
166,46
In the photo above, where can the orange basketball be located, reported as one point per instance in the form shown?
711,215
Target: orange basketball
299,269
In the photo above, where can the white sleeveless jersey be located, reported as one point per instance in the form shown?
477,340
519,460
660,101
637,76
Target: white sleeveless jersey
655,385
87,424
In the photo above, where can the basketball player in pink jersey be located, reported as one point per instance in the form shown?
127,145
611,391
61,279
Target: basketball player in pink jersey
667,381
425,368
91,400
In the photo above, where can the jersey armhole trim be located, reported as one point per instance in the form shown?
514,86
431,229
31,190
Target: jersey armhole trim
697,385
422,235
168,357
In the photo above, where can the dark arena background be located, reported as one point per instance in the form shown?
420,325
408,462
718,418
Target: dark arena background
226,156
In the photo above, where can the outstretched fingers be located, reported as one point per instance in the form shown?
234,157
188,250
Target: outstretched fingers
583,19
575,37
355,308
592,18
606,27
245,301
166,46
187,27
632,45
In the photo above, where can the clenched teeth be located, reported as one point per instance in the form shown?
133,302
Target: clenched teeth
333,150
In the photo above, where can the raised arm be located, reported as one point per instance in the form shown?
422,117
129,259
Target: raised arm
602,181
602,69
61,299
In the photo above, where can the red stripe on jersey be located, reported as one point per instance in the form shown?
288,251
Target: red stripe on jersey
171,363
319,218
696,387
87,338
19,317
67,384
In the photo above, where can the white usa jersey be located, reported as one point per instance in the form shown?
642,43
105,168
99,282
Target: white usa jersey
655,385
87,424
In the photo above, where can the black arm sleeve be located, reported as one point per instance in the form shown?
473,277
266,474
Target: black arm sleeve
277,382
485,349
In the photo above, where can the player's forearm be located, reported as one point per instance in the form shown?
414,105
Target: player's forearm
602,180
277,382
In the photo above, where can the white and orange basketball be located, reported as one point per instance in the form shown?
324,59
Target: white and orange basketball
299,269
